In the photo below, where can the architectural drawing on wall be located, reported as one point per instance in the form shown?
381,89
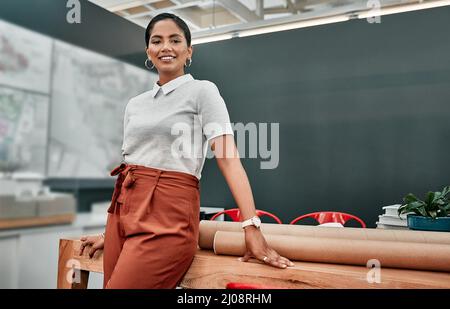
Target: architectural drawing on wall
89,94
24,58
23,130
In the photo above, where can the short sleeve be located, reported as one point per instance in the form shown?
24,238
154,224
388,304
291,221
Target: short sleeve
213,113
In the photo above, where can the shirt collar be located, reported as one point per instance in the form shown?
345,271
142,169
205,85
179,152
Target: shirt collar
172,85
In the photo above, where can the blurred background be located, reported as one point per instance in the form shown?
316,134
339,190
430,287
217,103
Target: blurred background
362,106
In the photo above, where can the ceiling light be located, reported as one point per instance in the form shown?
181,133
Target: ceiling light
268,29
294,25
212,38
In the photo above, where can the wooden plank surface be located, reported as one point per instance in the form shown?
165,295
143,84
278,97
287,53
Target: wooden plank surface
36,221
212,271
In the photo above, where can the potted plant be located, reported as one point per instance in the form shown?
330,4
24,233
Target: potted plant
431,214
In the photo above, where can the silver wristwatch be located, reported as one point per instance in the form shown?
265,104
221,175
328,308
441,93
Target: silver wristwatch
252,221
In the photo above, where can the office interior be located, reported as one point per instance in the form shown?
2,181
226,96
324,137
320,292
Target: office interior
349,111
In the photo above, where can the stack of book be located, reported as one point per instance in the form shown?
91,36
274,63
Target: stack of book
390,218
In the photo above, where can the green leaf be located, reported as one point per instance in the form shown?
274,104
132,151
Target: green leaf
442,212
441,202
435,204
429,198
445,210
413,206
400,209
437,196
421,210
446,191
433,214
417,212
432,206
416,204
409,198
404,208
416,207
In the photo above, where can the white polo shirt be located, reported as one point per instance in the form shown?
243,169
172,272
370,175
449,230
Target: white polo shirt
169,127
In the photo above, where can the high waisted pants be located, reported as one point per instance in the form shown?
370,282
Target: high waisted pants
152,228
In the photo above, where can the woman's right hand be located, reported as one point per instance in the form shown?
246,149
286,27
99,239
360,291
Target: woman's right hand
96,241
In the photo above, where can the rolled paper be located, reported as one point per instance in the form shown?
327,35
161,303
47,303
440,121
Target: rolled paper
391,254
209,228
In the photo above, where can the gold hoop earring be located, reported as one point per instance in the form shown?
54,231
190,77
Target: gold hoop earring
147,65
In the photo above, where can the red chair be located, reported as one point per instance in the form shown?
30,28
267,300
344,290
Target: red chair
330,216
235,213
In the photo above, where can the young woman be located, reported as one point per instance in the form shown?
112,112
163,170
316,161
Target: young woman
152,228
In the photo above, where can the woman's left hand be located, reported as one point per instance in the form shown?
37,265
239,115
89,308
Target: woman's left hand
257,247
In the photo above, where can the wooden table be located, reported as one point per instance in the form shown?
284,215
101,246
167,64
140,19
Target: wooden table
215,271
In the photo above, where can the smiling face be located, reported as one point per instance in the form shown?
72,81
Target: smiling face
168,49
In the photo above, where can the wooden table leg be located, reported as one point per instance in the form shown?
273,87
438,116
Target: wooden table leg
70,273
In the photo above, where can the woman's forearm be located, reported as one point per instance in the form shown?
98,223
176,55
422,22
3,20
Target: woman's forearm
235,175
231,167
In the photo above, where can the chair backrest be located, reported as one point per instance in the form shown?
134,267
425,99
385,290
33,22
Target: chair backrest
235,214
330,216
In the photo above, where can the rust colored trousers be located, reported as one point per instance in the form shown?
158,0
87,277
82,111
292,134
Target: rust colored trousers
152,228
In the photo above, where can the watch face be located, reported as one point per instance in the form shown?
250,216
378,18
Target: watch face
256,221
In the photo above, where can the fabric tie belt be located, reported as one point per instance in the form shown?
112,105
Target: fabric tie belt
128,174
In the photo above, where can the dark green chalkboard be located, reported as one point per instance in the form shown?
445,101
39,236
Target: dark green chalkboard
363,112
